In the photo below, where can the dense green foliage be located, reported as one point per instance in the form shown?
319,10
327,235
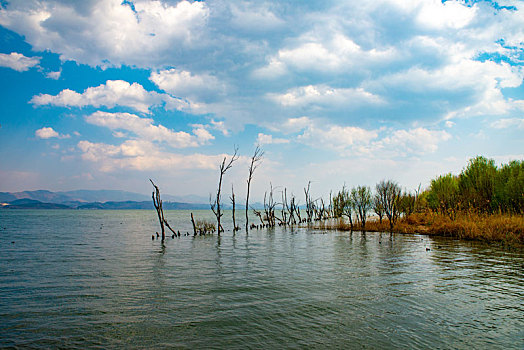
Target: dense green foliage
481,187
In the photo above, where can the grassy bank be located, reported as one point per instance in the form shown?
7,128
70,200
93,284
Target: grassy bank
496,227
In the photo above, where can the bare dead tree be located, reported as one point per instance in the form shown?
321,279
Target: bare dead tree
294,210
330,207
259,214
194,226
215,205
269,208
377,207
232,198
389,196
309,203
255,159
285,208
157,202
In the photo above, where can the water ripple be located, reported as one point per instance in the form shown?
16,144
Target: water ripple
80,279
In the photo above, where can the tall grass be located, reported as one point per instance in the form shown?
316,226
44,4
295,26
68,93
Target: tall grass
495,227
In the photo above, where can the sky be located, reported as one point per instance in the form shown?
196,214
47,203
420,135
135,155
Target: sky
106,94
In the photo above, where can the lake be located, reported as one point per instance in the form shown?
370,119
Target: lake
96,279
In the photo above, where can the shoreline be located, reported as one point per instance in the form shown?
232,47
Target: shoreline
501,228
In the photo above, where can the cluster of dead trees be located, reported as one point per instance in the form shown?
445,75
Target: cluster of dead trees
356,204
388,202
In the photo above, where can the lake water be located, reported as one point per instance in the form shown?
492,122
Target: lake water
96,279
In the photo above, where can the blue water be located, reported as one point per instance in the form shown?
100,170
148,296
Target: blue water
96,279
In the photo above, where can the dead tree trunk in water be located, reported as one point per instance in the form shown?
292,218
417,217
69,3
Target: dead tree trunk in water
157,202
235,228
215,206
194,226
309,203
257,157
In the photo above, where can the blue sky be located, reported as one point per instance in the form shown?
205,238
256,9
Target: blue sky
105,94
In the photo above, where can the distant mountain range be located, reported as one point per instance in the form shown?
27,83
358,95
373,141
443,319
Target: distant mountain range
99,199
93,196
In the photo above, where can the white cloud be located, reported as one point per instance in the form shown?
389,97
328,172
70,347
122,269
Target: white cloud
332,52
338,138
353,140
413,141
183,83
296,124
111,94
142,155
505,123
144,129
450,14
220,126
54,75
263,139
254,17
326,96
108,32
48,132
477,83
18,62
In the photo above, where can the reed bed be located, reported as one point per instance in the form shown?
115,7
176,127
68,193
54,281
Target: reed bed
495,227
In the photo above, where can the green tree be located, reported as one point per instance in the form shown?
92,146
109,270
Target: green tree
477,184
407,203
509,187
443,195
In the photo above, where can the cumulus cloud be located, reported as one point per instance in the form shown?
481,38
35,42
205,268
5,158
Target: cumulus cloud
264,139
183,83
112,93
18,62
338,138
352,140
336,53
413,141
214,54
54,75
48,133
325,95
254,17
505,123
450,14
144,129
108,32
142,155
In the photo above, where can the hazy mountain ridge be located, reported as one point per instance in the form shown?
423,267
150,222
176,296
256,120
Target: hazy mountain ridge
89,196
102,199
